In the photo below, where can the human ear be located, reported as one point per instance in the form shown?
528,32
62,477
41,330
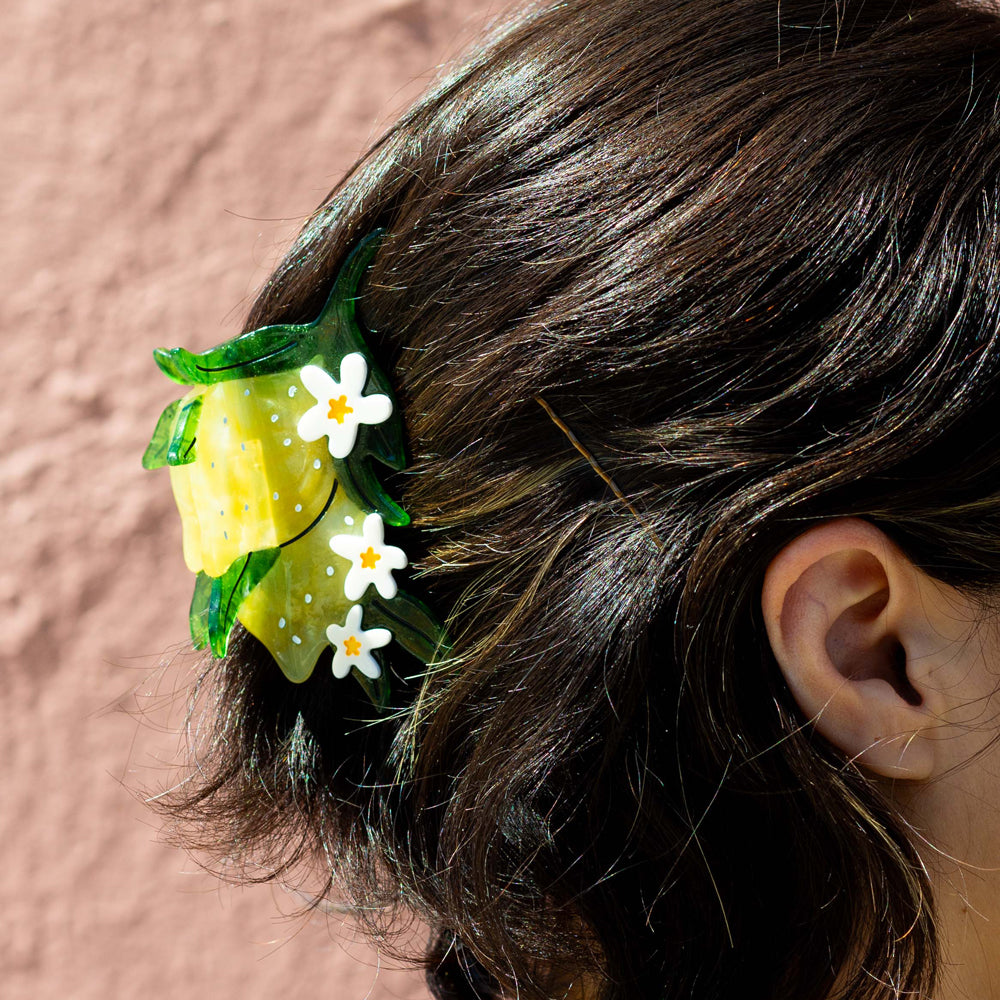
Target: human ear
858,632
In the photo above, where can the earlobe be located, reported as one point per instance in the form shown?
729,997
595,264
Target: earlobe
843,608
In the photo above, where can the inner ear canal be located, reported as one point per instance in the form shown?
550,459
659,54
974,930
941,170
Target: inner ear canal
859,648
902,684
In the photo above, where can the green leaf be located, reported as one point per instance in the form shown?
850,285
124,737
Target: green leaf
336,327
228,592
377,690
363,487
155,455
185,430
173,441
412,625
198,617
265,351
385,441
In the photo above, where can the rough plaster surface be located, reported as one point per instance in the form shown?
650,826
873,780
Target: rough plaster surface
143,143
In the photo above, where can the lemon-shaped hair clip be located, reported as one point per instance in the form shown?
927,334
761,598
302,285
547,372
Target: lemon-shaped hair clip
284,519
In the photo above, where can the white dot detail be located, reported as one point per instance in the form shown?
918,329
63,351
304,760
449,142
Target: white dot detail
329,571
246,392
317,463
287,442
296,640
348,519
282,623
275,496
309,598
274,418
298,507
292,389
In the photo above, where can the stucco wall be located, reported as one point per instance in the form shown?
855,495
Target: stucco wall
156,157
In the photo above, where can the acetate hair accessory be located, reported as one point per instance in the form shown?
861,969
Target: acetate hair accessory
270,456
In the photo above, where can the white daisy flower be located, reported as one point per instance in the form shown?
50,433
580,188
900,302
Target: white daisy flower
372,561
340,407
353,645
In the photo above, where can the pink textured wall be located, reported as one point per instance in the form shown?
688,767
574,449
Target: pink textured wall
146,150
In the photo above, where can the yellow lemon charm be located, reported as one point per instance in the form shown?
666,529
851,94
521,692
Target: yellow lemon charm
270,456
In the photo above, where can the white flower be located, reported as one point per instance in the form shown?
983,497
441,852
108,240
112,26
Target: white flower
340,407
372,561
354,645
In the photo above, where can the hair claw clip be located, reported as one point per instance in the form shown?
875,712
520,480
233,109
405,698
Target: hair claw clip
270,456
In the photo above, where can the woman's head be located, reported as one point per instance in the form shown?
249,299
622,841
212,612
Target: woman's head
741,261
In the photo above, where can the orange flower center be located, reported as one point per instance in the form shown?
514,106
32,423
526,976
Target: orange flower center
339,409
369,557
351,646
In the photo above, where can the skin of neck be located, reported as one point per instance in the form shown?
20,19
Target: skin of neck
955,824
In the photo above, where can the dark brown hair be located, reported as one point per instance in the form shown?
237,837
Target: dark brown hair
749,255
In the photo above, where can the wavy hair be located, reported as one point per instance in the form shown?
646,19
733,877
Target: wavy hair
664,283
